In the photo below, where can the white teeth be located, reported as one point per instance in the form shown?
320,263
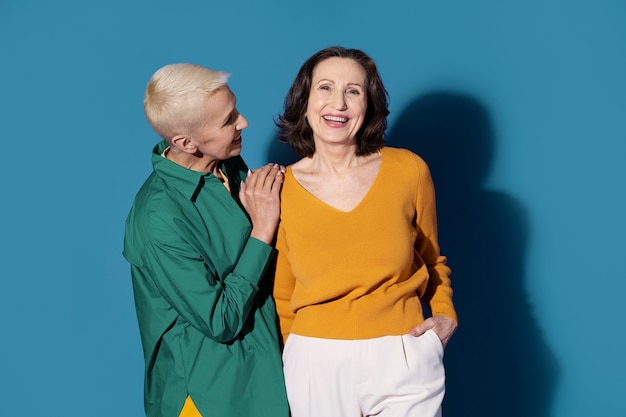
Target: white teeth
336,119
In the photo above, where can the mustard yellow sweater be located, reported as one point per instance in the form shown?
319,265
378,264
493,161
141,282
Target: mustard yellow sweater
361,274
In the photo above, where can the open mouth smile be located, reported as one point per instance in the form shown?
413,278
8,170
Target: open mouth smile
335,119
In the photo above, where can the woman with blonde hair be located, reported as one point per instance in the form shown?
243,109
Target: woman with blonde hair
198,239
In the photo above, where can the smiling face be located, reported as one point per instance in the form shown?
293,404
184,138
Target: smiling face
337,101
220,137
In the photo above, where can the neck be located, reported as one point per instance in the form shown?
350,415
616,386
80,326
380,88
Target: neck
335,158
193,162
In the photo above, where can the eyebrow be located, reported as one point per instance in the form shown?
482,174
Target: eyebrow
331,81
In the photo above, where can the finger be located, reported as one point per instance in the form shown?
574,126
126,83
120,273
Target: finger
270,177
242,194
275,177
259,176
251,178
278,183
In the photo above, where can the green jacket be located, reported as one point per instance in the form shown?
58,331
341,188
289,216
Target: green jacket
206,316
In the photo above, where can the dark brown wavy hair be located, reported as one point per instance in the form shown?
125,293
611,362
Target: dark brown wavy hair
293,127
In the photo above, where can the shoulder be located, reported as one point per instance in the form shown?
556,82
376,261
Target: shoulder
290,183
297,173
155,210
403,158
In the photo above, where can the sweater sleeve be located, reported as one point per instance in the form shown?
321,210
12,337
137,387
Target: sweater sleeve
438,291
284,284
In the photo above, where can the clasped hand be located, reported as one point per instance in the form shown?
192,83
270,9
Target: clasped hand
260,196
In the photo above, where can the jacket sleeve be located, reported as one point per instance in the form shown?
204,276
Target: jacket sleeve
438,291
284,284
217,308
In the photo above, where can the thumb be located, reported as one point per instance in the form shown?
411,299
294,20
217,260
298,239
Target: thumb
420,330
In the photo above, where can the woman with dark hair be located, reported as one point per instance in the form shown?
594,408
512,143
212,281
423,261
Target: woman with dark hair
357,253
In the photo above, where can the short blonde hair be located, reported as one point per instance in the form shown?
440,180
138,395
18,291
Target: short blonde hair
175,98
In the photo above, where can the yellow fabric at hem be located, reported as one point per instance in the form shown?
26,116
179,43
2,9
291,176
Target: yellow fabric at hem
189,409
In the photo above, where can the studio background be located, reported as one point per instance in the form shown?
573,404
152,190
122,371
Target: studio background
518,107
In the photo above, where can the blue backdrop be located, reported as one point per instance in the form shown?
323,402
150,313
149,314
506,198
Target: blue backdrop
519,108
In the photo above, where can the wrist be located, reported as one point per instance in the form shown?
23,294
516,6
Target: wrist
263,235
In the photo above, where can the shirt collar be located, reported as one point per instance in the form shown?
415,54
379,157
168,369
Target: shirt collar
187,181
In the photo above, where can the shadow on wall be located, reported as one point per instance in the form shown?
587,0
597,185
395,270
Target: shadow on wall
281,153
497,363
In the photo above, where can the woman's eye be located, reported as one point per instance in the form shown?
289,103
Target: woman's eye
232,118
354,92
325,88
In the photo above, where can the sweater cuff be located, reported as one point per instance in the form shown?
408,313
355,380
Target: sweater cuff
446,310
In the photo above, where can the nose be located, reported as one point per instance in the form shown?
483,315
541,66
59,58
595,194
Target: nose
339,101
242,122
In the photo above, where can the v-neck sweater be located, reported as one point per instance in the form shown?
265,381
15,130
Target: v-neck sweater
361,274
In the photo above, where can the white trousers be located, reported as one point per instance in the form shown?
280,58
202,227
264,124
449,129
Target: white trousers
390,376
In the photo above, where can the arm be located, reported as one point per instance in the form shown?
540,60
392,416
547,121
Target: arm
187,281
284,284
215,301
438,291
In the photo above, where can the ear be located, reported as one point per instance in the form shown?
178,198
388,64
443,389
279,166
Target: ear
184,144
